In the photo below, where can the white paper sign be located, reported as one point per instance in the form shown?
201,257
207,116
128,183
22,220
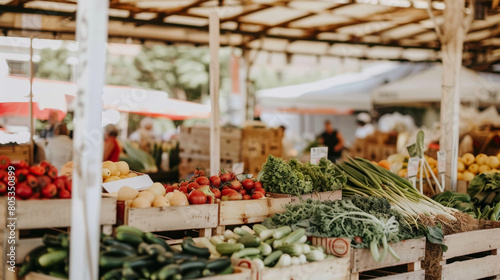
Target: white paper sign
238,167
318,153
139,183
413,166
441,161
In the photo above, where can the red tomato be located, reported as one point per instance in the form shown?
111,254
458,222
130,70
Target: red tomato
257,195
18,164
202,181
226,191
199,172
23,190
258,184
242,191
235,185
226,187
215,181
247,197
64,194
43,181
52,172
232,195
37,170
216,192
4,162
184,183
3,173
60,184
192,186
69,184
49,191
197,197
22,174
183,189
248,184
171,188
260,190
225,177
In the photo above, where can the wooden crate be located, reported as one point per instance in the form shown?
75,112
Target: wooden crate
16,152
203,217
462,186
330,269
411,253
459,261
339,247
240,273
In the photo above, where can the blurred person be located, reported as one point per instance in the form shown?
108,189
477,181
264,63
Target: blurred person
287,150
48,132
332,139
112,149
145,135
60,147
365,127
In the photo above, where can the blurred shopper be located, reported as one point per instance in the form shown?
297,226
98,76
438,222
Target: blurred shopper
60,147
365,127
334,140
145,135
48,132
112,149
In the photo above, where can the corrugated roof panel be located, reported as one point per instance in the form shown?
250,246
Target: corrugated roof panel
365,28
319,20
273,16
187,20
53,6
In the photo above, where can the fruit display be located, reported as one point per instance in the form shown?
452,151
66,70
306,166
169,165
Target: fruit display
111,171
33,182
469,166
398,163
130,254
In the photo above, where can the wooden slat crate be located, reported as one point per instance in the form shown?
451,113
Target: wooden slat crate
43,214
458,262
411,253
330,269
203,217
240,273
16,152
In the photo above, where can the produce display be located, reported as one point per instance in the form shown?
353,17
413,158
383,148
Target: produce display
369,222
111,171
140,160
469,166
294,177
33,182
130,254
268,247
463,202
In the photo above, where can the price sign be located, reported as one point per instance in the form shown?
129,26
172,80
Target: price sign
238,167
441,162
318,153
413,170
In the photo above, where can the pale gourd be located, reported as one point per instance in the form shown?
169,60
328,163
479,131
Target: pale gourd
122,167
127,193
160,201
149,196
140,202
177,198
106,173
158,189
112,168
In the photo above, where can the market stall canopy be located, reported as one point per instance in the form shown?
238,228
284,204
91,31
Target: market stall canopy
391,30
425,87
343,93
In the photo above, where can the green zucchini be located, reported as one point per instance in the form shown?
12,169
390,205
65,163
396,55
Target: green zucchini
112,262
113,274
119,250
30,260
52,258
129,229
228,249
189,247
292,249
155,249
216,240
152,239
246,252
192,274
269,241
168,271
63,240
294,236
207,272
142,248
282,232
129,237
165,258
266,234
258,228
218,265
273,258
139,261
193,265
228,270
249,240
51,240
178,276
129,274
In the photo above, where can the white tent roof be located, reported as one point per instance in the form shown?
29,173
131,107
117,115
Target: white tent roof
349,91
426,87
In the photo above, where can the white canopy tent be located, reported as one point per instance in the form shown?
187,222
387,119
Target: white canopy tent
346,92
425,87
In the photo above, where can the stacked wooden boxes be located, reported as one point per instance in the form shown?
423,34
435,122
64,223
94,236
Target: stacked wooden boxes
257,143
376,147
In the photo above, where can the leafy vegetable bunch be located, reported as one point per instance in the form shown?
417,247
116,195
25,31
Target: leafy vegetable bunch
323,176
484,189
473,207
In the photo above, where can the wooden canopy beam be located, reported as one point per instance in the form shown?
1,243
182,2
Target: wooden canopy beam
163,14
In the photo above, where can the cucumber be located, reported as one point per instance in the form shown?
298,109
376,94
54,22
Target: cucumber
167,271
129,229
273,258
139,261
112,262
246,252
181,257
113,274
266,234
30,261
279,242
63,240
192,265
228,249
305,248
269,241
294,236
249,240
119,250
189,247
218,265
240,232
216,240
282,232
193,274
302,240
113,241
129,237
247,229
152,239
258,228
229,234
50,240
292,249
52,258
265,249
285,260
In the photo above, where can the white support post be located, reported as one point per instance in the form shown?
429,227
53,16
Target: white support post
91,34
214,44
452,40
32,118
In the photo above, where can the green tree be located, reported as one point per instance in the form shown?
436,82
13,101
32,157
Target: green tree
53,65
